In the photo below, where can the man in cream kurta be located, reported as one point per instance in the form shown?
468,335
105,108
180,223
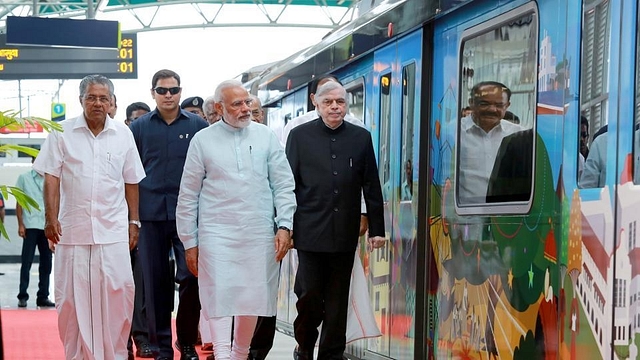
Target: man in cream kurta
235,175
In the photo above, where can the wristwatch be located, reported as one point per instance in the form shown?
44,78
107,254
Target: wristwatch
284,228
136,223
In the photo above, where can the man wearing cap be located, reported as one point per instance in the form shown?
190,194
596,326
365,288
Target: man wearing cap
193,105
162,137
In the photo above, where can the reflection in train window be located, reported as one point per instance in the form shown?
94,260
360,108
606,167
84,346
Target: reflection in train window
355,95
636,117
385,135
594,95
498,74
408,103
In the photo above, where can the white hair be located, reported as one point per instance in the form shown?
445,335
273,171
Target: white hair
327,88
217,96
210,101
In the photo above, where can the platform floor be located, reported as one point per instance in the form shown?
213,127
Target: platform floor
9,282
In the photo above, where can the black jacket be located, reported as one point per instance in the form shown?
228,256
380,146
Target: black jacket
332,168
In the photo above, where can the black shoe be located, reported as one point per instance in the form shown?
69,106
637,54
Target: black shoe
45,303
299,354
189,353
144,351
22,302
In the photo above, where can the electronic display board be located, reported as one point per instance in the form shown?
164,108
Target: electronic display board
34,62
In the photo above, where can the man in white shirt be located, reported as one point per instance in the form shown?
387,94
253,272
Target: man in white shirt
91,171
235,175
480,136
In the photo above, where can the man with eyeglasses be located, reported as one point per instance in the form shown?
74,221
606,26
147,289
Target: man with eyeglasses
163,137
257,114
235,175
91,172
210,112
134,111
333,163
480,136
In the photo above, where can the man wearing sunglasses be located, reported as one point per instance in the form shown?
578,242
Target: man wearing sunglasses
163,137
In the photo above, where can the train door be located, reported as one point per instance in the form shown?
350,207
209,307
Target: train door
392,268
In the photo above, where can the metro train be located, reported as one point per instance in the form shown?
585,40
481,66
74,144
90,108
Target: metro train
550,272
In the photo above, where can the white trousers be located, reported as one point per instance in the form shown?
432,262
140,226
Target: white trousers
94,298
243,328
205,329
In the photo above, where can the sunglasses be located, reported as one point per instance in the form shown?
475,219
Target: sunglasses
163,90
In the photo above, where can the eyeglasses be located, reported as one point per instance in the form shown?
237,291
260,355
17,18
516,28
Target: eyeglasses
163,90
238,104
329,102
93,99
584,134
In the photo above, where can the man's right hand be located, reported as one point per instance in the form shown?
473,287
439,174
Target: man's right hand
191,257
22,231
53,230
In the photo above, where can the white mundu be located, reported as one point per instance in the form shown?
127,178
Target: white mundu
94,287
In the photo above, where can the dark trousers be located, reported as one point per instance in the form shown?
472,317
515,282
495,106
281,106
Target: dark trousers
263,336
322,287
156,240
139,332
33,238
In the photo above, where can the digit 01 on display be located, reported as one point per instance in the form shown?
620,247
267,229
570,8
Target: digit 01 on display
34,62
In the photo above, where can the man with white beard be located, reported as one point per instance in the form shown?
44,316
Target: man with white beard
235,175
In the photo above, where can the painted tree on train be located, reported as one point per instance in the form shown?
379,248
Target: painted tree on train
480,250
9,120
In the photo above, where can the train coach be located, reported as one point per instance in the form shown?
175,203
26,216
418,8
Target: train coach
544,263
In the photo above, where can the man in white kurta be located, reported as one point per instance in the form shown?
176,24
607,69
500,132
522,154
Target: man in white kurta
481,134
92,170
235,175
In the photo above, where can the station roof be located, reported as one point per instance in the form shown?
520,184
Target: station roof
150,15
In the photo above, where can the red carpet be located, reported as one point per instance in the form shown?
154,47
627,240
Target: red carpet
33,335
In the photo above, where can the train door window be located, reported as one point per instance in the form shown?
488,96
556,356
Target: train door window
385,136
408,105
594,95
498,76
636,133
355,95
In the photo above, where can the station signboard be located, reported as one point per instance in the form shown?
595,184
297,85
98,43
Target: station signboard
35,62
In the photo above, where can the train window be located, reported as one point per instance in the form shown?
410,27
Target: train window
408,104
594,95
355,94
287,118
636,133
498,81
385,135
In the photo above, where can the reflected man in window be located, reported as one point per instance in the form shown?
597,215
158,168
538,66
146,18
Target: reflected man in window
407,184
480,136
